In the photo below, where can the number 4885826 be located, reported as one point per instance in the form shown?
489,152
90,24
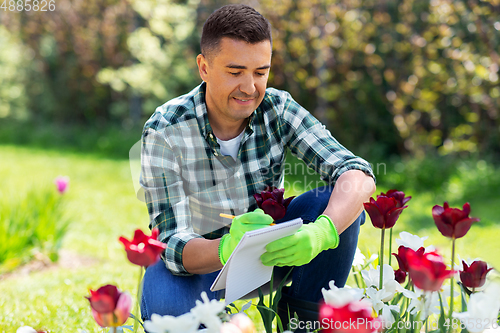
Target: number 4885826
28,5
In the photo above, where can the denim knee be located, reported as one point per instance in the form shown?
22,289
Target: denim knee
168,294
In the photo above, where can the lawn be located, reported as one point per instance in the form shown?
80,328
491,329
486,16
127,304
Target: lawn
102,205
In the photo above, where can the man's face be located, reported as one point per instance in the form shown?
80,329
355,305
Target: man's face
236,78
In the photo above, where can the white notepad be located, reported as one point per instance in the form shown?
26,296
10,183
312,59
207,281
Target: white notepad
243,271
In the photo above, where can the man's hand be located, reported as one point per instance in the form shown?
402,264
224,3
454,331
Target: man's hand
303,246
241,224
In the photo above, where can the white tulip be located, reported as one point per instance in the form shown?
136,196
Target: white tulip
185,323
409,240
338,297
482,309
207,312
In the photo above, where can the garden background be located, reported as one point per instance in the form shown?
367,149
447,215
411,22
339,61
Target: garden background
412,86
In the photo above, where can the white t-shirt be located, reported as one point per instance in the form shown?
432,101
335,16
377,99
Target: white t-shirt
231,147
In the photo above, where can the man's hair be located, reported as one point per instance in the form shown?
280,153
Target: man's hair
236,21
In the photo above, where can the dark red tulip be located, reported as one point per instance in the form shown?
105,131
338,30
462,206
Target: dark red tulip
400,275
427,271
401,256
104,299
453,222
384,212
398,195
352,317
272,203
143,250
474,276
110,307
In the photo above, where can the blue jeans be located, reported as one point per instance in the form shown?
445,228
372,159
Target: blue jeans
168,294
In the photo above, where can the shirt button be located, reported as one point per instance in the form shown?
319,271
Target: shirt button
215,153
211,136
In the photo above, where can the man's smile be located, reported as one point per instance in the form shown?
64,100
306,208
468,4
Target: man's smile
244,101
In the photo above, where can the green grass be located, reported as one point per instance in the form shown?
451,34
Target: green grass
31,224
103,206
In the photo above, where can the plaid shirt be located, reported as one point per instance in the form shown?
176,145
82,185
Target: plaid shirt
188,183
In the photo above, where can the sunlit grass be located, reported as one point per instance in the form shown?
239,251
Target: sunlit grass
102,203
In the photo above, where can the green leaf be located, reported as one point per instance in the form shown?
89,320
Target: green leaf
277,298
265,313
464,300
396,299
442,316
231,305
131,315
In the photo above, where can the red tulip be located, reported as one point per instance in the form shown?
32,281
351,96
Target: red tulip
453,222
398,195
474,276
384,212
351,317
427,271
272,203
401,256
110,307
143,250
400,276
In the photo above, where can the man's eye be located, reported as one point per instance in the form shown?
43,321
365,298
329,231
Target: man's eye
234,74
260,74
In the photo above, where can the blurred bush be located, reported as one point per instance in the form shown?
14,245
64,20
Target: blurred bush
394,76
113,141
13,58
165,49
66,49
387,77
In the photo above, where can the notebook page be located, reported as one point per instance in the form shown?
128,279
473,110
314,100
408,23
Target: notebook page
244,272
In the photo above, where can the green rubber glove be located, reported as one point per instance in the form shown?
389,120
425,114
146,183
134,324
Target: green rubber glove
241,224
303,246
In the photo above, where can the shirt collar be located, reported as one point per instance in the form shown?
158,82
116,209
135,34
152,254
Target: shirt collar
201,111
202,115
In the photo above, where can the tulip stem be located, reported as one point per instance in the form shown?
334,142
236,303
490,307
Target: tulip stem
114,329
390,247
139,297
452,279
381,282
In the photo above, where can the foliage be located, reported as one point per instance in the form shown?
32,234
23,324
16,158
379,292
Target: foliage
66,48
461,179
165,49
112,141
270,311
35,223
13,57
393,76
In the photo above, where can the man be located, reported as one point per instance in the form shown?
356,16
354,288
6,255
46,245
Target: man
209,151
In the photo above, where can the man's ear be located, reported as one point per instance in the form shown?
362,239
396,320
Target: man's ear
202,67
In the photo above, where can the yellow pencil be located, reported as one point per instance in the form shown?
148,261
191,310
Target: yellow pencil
228,216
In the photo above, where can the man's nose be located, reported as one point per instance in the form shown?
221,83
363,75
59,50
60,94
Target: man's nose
247,85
